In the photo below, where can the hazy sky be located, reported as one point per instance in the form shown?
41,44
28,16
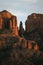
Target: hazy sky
22,8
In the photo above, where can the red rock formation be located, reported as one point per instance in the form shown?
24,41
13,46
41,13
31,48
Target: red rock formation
8,22
34,28
34,21
13,25
6,14
32,45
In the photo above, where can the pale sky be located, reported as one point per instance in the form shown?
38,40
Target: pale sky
22,8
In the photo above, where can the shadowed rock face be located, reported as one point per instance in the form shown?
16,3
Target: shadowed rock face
8,22
34,28
34,21
21,29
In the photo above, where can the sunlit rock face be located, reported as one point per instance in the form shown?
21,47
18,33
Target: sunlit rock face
32,45
34,21
8,23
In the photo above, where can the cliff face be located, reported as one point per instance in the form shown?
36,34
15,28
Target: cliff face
8,22
34,28
34,21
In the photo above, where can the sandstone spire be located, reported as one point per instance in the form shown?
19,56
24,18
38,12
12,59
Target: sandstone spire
21,29
8,22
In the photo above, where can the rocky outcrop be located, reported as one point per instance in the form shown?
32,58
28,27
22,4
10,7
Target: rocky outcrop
12,56
8,23
34,28
16,50
34,21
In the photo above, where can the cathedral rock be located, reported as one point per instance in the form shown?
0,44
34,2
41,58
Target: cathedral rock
8,24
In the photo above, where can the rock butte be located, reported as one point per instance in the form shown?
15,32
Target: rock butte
8,24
